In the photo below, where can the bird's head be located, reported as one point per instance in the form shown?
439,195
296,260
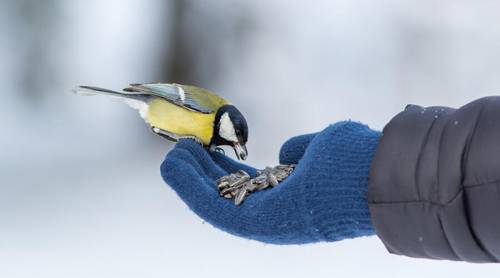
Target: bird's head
230,128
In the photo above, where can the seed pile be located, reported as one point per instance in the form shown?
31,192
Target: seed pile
238,185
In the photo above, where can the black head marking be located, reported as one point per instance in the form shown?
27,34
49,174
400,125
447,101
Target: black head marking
239,123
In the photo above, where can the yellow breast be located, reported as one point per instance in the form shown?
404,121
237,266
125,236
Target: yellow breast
178,120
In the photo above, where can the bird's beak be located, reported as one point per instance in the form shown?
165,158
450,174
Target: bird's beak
240,150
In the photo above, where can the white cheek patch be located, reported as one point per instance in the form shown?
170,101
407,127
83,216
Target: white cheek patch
226,128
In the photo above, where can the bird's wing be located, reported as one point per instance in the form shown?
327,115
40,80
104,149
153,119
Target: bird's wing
189,97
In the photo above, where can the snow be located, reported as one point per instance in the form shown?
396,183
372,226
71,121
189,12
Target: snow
81,194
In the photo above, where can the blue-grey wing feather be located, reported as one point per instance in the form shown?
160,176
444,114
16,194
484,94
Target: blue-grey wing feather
172,93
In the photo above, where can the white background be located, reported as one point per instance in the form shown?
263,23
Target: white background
80,192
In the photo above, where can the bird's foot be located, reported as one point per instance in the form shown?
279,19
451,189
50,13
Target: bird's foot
214,148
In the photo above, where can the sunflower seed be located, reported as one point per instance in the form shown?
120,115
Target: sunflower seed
238,185
238,199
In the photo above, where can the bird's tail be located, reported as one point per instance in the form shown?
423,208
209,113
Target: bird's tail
134,100
91,90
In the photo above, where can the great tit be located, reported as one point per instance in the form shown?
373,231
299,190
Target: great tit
177,111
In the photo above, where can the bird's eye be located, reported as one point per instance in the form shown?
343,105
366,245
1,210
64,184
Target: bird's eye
238,132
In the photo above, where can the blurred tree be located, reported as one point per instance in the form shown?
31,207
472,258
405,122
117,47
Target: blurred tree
203,37
178,61
37,23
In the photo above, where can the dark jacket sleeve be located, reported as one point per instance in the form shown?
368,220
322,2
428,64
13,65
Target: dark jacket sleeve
434,189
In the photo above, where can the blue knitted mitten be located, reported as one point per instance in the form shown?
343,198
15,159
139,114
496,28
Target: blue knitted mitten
324,199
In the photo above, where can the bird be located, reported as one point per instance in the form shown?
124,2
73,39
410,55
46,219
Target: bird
176,111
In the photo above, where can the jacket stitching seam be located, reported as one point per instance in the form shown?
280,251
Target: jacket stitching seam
492,183
446,237
418,201
469,143
419,158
